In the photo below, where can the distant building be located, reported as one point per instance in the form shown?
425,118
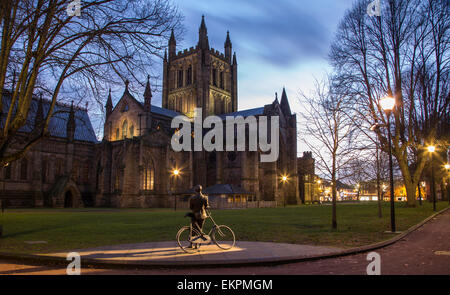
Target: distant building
308,184
58,171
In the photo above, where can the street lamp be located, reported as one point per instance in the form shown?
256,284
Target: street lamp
284,179
388,105
431,150
447,167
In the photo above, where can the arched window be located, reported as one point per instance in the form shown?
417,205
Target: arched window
148,176
24,169
214,77
222,84
189,75
124,129
86,172
180,78
59,167
132,131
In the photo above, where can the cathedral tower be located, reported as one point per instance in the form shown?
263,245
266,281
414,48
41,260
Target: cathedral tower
200,77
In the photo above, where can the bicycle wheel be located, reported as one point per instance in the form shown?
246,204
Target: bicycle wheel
184,239
223,237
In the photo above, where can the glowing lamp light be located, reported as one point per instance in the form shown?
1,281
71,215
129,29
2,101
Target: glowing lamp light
431,148
387,103
447,166
284,178
176,172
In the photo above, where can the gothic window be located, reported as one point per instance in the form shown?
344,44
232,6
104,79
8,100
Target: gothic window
24,169
59,167
124,129
125,108
179,104
148,177
132,131
86,172
217,105
97,176
189,75
214,77
117,134
174,79
180,78
7,172
44,170
75,171
221,80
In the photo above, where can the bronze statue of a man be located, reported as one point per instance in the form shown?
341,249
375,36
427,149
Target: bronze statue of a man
198,205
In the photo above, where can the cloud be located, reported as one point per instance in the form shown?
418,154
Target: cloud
277,32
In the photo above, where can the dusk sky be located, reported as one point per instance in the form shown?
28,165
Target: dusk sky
278,43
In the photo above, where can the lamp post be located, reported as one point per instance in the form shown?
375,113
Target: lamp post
431,150
284,179
175,174
420,194
447,167
388,105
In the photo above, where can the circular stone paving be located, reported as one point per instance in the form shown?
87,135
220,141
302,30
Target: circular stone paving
169,254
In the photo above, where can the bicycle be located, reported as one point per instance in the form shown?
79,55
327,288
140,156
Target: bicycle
189,239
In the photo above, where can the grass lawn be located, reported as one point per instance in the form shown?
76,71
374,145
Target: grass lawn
66,229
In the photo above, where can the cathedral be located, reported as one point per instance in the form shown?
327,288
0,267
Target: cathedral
134,164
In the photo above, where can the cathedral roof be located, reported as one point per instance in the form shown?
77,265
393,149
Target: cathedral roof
58,123
245,113
163,111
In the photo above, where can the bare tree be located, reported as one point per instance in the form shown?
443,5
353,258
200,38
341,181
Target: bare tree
330,133
403,53
45,49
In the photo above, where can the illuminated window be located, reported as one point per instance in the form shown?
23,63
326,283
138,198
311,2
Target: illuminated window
117,133
124,129
132,131
148,177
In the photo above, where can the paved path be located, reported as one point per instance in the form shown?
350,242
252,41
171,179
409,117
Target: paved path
425,251
168,253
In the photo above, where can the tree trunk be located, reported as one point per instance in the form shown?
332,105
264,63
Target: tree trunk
410,193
